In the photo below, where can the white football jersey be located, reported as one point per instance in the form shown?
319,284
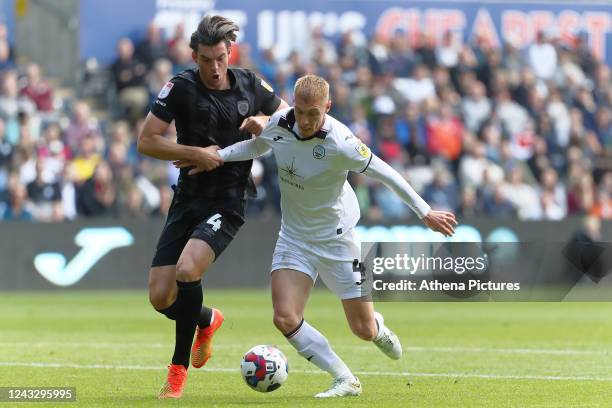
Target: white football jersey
317,202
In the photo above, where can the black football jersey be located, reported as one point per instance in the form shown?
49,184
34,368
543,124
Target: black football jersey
205,117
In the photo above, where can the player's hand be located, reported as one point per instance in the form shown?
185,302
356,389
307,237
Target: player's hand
441,221
208,159
254,124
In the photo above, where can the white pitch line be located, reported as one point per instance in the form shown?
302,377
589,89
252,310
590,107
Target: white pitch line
371,373
446,349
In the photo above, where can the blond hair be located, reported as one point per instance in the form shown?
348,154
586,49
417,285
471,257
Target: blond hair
311,87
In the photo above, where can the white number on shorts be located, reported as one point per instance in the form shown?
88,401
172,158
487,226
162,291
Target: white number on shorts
215,222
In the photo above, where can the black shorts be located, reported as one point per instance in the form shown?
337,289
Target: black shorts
214,221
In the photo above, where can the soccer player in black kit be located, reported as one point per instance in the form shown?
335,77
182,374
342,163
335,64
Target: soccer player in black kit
213,106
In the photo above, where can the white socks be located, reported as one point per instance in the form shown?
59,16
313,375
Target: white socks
380,323
314,347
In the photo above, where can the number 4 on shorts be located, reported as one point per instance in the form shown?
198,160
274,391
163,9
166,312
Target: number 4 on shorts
215,222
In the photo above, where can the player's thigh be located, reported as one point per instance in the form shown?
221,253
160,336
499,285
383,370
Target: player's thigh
210,237
290,292
195,259
162,286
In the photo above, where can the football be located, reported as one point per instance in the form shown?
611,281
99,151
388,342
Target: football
264,368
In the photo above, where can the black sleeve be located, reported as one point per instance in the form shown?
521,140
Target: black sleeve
266,100
168,101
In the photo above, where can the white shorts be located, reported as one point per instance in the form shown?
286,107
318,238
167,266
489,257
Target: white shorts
337,261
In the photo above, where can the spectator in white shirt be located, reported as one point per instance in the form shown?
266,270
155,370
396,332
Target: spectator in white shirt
542,57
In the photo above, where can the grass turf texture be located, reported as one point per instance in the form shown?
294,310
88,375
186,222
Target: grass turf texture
114,349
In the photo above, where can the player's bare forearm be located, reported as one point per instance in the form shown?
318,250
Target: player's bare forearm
159,147
152,143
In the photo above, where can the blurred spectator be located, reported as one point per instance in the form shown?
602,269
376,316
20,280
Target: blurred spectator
87,159
45,196
602,207
468,206
411,131
177,36
513,116
553,195
129,76
82,124
98,196
161,73
181,57
585,56
444,134
152,47
401,59
447,54
442,194
496,205
417,88
39,91
319,45
476,107
475,164
6,154
16,208
6,59
12,105
522,195
542,57
425,49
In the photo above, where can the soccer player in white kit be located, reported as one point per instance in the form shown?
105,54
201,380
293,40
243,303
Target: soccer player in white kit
314,153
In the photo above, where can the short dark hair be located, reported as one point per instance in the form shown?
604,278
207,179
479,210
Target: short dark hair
212,30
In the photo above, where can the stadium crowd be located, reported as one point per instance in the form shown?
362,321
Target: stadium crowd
477,130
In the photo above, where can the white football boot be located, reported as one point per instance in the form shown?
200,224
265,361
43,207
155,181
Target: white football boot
342,387
387,341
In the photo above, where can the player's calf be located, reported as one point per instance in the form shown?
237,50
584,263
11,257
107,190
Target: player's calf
365,330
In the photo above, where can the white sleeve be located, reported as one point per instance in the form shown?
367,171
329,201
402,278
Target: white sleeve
381,171
353,155
245,150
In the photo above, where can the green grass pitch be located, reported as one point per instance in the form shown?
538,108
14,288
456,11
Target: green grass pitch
114,349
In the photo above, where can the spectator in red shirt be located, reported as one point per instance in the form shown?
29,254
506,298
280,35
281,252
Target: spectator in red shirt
38,90
444,134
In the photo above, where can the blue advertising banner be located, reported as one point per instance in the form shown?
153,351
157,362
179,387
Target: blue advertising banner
285,26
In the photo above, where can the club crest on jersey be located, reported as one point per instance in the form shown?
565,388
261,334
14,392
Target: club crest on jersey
318,152
243,107
363,150
165,91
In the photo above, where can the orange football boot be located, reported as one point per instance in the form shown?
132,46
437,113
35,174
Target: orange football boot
202,344
173,388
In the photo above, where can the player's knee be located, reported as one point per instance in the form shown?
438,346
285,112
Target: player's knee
160,297
186,271
364,331
286,322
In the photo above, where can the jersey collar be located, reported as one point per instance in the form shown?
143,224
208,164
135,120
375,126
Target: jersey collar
287,122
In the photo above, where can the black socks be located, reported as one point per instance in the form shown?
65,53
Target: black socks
186,309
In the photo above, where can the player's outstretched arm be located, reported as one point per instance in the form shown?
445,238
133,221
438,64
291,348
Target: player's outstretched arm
439,221
241,151
208,160
245,150
152,143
